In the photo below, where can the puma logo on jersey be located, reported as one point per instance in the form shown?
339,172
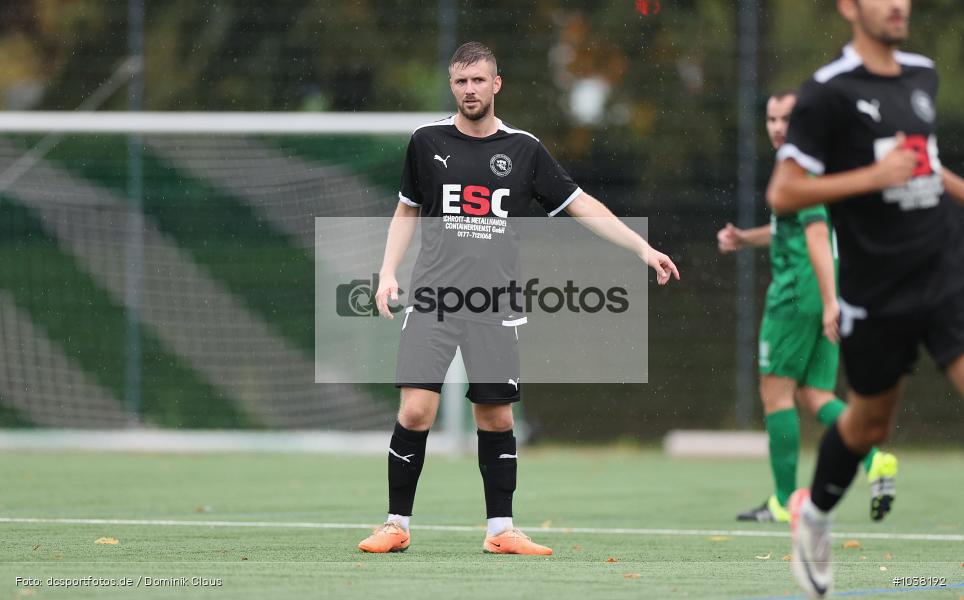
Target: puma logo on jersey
444,161
871,109
407,458
515,384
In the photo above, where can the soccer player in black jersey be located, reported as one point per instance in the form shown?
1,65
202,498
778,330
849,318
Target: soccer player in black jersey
472,170
863,140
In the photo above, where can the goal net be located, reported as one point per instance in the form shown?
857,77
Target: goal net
156,269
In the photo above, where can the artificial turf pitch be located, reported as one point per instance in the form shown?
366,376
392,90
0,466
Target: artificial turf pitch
564,497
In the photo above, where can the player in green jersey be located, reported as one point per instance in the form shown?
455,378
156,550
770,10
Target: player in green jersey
798,338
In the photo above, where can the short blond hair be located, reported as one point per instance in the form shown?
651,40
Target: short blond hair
470,53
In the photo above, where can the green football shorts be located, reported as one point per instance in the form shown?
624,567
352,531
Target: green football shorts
796,348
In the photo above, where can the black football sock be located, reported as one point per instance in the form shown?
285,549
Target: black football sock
497,463
406,454
836,467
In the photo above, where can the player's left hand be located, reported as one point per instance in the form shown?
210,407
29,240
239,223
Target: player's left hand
831,321
662,264
730,238
387,287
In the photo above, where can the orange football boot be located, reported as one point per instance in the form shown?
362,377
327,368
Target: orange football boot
389,537
513,541
795,503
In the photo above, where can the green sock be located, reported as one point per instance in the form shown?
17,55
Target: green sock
828,415
829,412
783,427
869,459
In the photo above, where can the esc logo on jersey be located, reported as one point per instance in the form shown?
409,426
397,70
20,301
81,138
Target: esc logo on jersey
924,146
474,200
925,186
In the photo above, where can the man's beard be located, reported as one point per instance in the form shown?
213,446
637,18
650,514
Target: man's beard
881,36
476,116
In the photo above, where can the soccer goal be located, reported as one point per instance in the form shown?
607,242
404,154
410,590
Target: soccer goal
156,277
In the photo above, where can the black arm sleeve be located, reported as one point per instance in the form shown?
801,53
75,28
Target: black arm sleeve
809,138
409,192
552,187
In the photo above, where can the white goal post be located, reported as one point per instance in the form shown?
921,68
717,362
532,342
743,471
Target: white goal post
212,123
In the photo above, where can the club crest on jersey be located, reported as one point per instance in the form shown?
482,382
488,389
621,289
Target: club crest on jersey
500,164
923,106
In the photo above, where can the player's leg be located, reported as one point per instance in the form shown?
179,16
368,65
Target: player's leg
406,455
783,431
425,350
491,355
945,339
816,395
865,423
818,398
780,365
881,467
827,408
955,372
878,353
816,392
498,463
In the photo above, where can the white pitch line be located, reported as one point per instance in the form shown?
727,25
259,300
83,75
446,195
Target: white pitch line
919,537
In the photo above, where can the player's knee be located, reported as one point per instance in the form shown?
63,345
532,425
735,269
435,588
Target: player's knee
418,409
492,419
416,417
866,431
772,404
496,424
775,400
877,430
813,400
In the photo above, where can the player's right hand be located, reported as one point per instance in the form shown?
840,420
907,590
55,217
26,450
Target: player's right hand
729,239
662,264
387,288
897,166
831,321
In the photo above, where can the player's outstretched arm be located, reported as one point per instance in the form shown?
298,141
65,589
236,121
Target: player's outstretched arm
594,215
954,184
821,257
792,188
400,234
731,238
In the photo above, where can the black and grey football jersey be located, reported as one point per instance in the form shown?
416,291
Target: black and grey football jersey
469,191
902,249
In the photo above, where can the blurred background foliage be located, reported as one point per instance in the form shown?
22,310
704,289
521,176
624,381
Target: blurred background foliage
606,87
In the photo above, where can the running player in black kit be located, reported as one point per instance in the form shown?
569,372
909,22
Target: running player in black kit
863,140
466,177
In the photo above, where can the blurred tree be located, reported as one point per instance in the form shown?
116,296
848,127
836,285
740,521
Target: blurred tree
665,76
631,103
